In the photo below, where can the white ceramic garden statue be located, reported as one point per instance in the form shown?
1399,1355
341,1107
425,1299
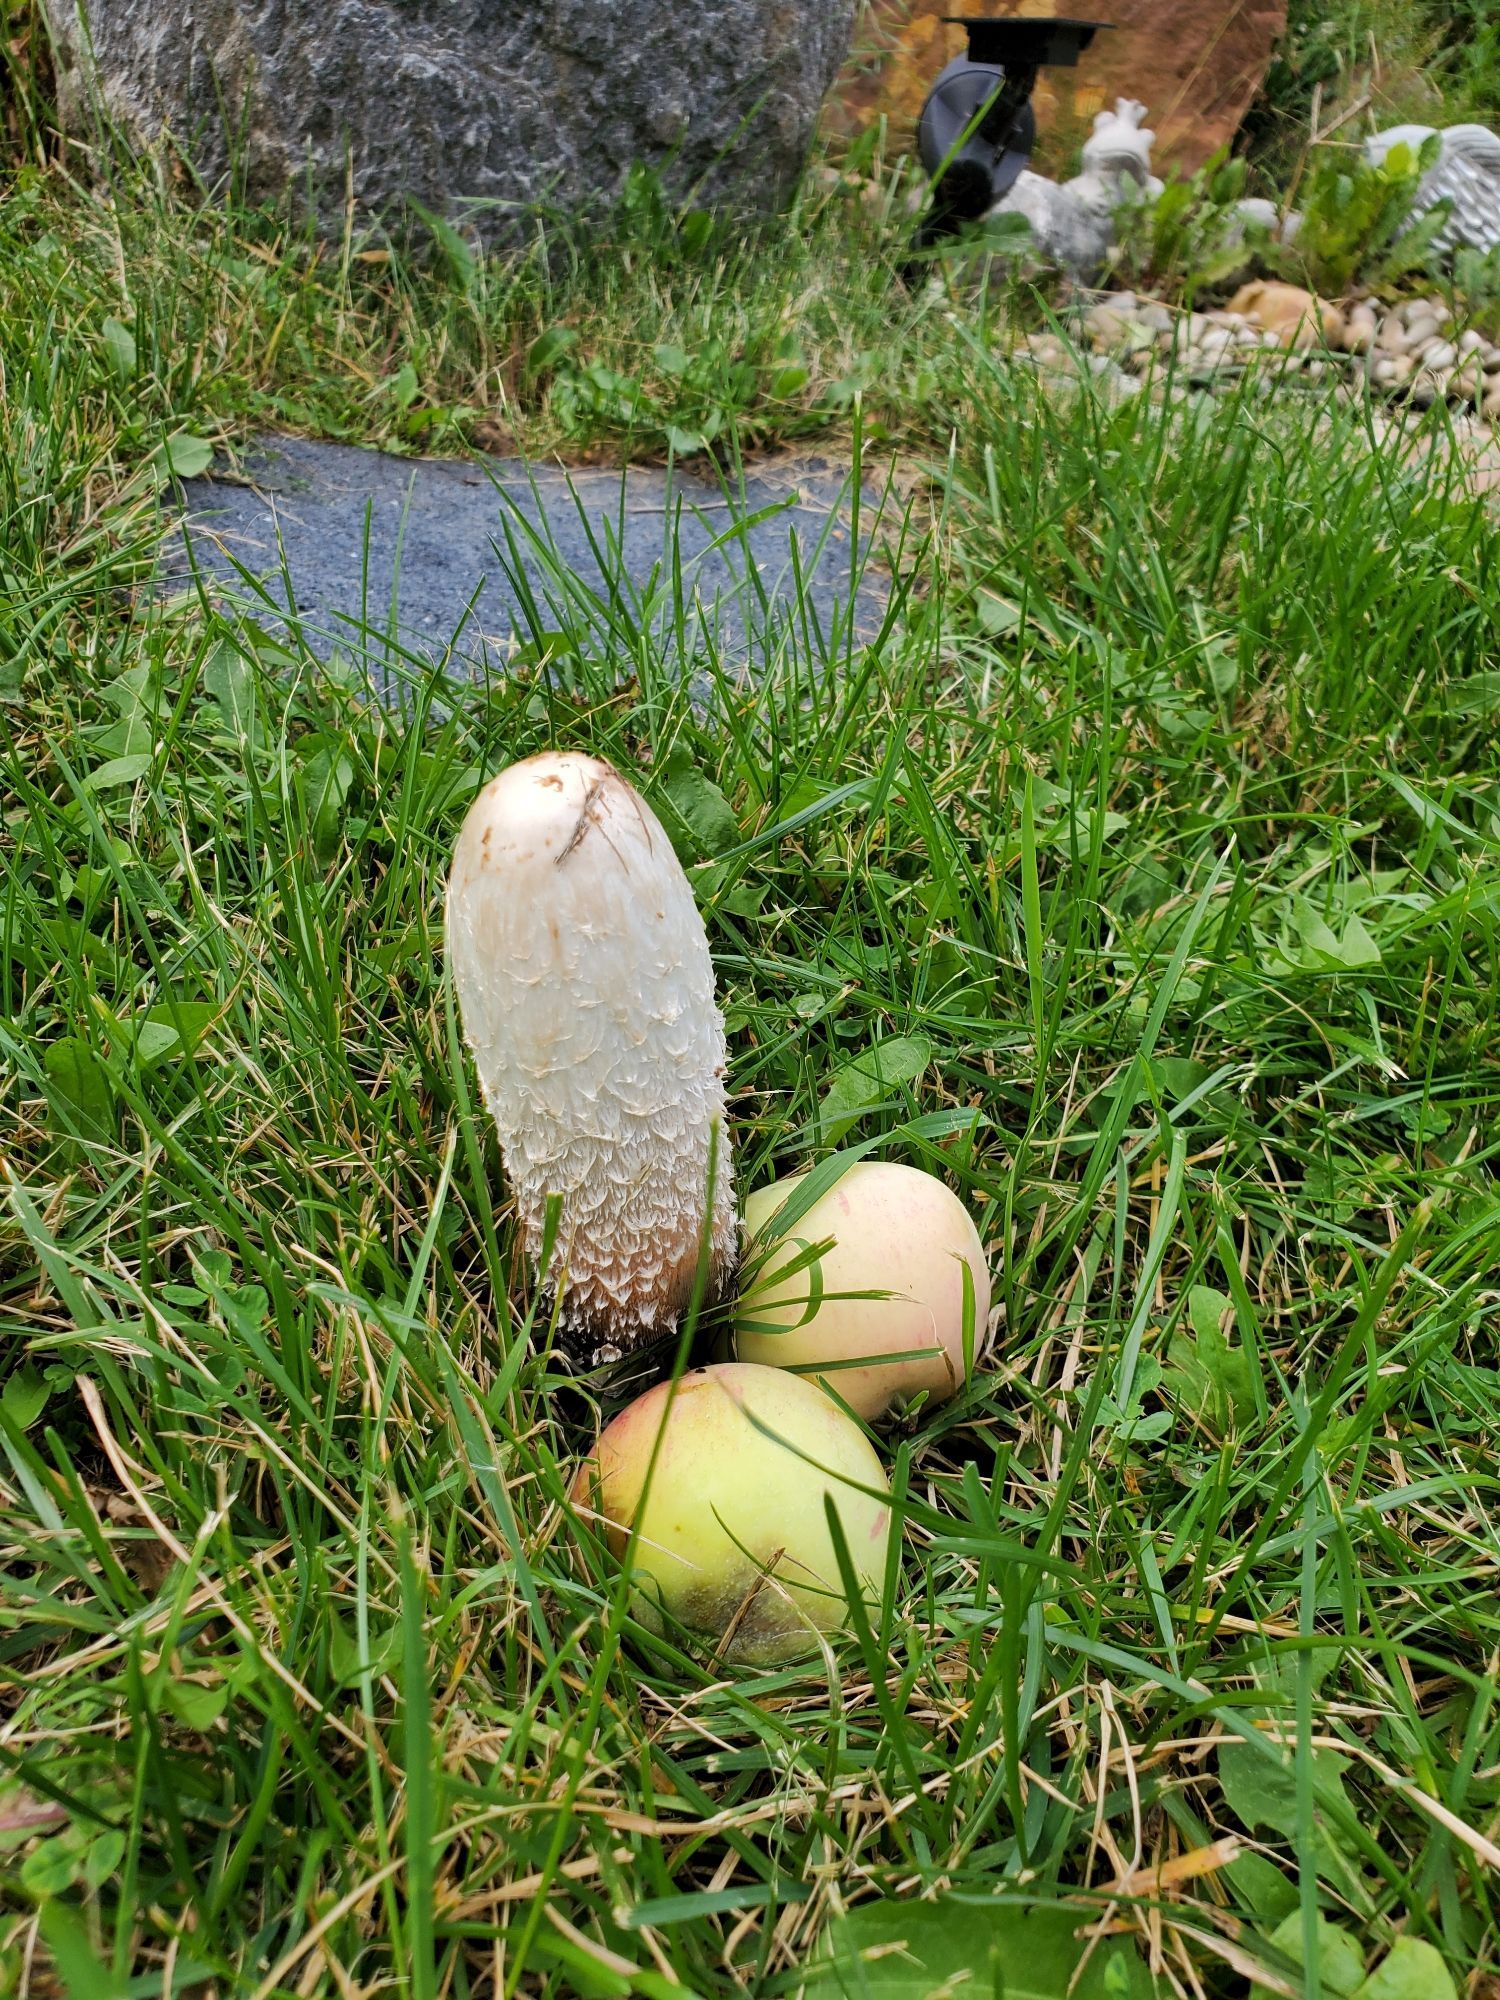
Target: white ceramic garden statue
1466,173
1074,224
1117,157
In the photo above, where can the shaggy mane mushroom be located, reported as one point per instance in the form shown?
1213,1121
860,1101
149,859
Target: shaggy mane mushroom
585,987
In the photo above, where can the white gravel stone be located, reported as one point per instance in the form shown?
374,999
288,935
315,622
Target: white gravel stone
1045,350
1110,321
1467,381
1360,330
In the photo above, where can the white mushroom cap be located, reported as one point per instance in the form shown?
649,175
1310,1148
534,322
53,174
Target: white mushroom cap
586,990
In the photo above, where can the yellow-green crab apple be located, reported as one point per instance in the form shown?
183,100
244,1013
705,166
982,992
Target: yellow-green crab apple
890,1229
586,992
733,1536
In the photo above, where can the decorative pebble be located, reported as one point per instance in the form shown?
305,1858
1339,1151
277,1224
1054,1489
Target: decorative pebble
1047,351
1110,323
1360,329
1467,381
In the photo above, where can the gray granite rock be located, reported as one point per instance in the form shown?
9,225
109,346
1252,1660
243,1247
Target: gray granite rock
480,109
394,562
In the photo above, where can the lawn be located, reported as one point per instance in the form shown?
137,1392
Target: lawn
1159,834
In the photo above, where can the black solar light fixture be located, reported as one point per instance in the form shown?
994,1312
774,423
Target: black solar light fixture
977,127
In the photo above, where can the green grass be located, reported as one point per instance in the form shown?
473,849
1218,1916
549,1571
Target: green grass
1384,62
1164,817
